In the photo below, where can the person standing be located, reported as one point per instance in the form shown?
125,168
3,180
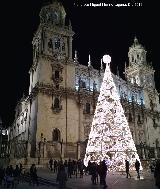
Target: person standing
16,175
55,166
137,167
70,168
157,174
102,174
51,164
33,174
61,177
127,169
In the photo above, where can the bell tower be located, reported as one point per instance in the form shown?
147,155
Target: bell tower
52,42
52,76
139,72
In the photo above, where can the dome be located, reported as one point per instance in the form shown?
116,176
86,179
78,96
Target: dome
53,14
136,44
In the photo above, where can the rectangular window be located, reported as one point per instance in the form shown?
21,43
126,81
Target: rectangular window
56,74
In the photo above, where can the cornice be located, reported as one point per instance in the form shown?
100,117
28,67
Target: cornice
65,31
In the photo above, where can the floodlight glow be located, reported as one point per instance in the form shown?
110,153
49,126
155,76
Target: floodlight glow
106,59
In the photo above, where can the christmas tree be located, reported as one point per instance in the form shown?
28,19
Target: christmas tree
110,138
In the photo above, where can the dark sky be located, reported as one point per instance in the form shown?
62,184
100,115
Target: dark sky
98,30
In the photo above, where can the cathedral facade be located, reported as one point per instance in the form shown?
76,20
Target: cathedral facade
54,120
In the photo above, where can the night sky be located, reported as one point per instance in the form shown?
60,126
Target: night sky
98,30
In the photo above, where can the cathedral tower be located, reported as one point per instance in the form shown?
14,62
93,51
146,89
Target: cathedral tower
139,72
50,78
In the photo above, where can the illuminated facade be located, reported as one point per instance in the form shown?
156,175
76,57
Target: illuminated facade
54,120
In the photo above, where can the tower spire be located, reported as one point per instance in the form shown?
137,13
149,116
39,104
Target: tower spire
89,61
135,40
101,64
75,57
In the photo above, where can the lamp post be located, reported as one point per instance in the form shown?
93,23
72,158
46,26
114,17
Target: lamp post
61,146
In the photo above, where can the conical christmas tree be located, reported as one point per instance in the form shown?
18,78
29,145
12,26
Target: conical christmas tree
110,137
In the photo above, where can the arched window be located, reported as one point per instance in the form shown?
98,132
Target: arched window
83,84
50,45
56,74
56,135
57,43
56,103
88,108
132,58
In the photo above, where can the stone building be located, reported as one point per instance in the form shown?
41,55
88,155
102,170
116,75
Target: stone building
54,120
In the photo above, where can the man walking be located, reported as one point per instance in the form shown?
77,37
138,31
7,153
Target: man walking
137,166
103,173
127,169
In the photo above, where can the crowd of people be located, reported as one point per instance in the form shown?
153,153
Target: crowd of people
10,176
65,170
97,171
69,168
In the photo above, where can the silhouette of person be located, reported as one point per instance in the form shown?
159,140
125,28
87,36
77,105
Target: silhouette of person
157,174
61,177
103,173
127,169
137,166
51,164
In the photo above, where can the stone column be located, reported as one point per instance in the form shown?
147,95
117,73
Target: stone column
45,150
143,154
70,47
155,152
62,150
28,149
78,150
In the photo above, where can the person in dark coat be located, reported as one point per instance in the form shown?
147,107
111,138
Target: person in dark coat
55,166
61,177
33,174
157,174
81,167
70,168
94,173
51,164
102,170
137,167
127,169
16,174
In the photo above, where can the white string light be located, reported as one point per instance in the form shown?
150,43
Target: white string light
110,137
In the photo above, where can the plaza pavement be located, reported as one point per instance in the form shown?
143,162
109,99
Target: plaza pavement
114,181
